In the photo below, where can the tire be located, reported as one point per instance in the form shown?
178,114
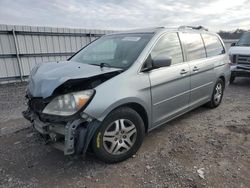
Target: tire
215,99
119,136
232,78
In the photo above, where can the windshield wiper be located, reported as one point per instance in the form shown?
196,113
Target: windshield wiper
104,65
101,65
94,64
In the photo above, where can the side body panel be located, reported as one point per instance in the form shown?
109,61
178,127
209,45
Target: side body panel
163,93
222,68
170,92
203,80
202,76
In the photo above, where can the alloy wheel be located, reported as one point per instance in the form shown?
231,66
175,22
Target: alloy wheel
119,136
218,93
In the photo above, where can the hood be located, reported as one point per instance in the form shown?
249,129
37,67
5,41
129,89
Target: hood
239,50
46,77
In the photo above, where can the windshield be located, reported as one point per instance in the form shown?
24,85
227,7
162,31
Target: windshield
244,40
118,51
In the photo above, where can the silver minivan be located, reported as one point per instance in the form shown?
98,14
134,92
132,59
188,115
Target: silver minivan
123,85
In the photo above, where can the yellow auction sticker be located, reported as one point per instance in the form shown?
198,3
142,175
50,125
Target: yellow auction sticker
98,140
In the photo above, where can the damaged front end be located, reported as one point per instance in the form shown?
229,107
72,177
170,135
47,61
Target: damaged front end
70,135
58,114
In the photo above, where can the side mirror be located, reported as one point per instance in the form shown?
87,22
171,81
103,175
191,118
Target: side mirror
233,44
161,61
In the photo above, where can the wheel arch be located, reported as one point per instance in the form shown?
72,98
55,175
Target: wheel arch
135,105
140,110
224,80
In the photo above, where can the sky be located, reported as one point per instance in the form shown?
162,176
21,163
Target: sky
128,14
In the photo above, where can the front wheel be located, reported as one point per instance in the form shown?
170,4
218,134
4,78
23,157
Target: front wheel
217,94
119,136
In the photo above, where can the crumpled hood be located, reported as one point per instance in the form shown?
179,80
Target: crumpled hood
46,77
239,50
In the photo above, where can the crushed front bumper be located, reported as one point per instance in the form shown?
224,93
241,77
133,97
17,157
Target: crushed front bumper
72,137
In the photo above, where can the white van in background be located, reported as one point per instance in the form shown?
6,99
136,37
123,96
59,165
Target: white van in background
240,57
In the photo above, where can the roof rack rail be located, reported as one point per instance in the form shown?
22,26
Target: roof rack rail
160,27
193,27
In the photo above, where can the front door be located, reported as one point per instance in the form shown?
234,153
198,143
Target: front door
170,86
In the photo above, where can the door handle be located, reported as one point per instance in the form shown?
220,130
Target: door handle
183,71
195,69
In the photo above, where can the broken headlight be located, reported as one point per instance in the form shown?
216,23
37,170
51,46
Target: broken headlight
68,104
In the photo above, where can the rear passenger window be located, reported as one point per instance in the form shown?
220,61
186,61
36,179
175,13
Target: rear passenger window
213,45
194,45
169,45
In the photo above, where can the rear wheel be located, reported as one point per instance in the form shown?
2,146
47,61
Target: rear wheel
119,136
217,94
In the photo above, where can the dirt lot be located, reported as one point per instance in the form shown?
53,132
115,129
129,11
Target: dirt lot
216,142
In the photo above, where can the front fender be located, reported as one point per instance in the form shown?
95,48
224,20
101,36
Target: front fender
124,102
125,88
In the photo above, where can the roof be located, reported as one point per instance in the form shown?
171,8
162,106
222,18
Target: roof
198,29
143,30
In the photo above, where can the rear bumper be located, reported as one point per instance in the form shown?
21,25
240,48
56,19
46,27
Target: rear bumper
72,137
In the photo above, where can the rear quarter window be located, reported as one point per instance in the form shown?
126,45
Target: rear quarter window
194,45
213,45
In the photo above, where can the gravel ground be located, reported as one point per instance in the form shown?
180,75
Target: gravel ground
11,107
204,148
